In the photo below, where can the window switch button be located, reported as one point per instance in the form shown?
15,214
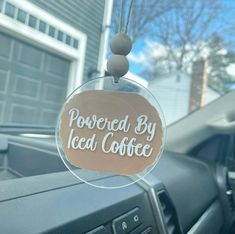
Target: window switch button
135,218
127,222
121,225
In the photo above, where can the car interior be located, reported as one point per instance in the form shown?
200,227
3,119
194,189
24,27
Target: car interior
189,191
181,56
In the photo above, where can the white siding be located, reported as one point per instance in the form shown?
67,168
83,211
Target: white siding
172,95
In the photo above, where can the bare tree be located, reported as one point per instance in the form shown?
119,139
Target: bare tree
181,29
185,30
144,14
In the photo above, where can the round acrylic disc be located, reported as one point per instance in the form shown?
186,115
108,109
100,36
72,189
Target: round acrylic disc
110,135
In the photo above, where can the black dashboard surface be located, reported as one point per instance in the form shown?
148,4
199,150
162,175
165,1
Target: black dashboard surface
59,203
190,184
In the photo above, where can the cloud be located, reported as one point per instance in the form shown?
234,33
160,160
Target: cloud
155,49
150,47
138,58
155,57
231,69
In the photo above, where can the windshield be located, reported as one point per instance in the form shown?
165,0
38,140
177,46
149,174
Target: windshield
183,52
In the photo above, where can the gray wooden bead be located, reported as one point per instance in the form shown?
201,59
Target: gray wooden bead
121,44
117,65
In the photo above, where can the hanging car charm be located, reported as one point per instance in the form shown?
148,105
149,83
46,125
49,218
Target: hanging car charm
111,125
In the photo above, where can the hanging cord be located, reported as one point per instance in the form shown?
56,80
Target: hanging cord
121,16
128,16
120,45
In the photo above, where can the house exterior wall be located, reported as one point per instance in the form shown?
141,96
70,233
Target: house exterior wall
174,96
34,79
87,17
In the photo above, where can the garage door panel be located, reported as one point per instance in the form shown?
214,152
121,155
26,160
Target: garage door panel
48,117
23,114
22,100
40,75
29,56
27,87
55,81
1,4
5,47
52,94
5,65
51,106
4,79
27,71
2,108
57,67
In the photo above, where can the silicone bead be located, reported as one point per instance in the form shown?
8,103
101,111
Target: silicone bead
117,65
121,44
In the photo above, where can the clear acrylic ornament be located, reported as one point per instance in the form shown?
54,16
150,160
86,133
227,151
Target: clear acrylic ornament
97,178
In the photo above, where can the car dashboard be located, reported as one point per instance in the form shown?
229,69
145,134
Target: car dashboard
39,195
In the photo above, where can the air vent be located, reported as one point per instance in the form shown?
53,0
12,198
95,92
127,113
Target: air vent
169,213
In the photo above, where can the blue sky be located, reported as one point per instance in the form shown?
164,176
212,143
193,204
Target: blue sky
136,49
140,45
